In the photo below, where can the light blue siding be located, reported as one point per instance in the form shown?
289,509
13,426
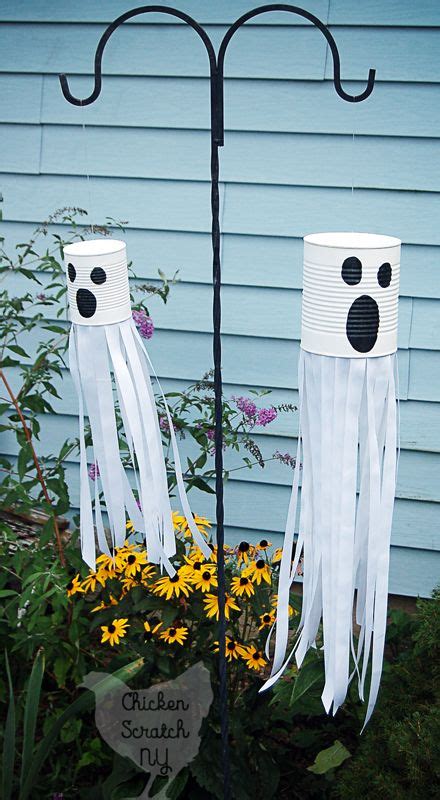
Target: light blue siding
294,153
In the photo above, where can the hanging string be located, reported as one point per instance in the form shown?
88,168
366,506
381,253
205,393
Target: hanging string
354,225
86,167
352,181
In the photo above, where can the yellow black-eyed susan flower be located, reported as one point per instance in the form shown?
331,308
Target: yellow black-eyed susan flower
254,658
258,571
204,579
245,551
242,585
192,564
267,619
174,634
148,573
134,562
274,603
89,583
233,649
103,604
263,544
181,524
111,564
278,553
129,526
151,627
128,583
211,606
74,586
195,554
114,632
173,587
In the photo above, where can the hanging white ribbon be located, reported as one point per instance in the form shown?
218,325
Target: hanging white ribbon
348,416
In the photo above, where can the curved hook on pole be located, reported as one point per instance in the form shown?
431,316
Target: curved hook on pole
320,25
76,101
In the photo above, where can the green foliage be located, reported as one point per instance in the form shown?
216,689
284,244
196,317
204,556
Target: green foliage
34,755
399,755
33,344
330,758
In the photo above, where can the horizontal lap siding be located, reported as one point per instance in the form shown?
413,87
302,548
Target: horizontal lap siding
289,165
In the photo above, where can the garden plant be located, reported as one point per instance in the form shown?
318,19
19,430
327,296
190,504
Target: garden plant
59,620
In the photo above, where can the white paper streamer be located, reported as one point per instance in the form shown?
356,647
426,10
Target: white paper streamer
95,352
348,430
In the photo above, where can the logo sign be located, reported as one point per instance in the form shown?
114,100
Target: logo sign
157,728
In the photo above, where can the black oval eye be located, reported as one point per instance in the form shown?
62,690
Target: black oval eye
98,276
71,271
351,271
384,274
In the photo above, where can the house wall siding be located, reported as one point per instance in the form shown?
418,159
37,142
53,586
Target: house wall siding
296,159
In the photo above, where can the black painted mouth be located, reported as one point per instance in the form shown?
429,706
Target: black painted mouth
86,302
363,323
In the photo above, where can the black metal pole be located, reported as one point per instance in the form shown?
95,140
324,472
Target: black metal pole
217,140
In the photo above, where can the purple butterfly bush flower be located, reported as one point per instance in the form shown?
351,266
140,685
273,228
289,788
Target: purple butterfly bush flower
254,415
246,406
93,472
285,458
144,324
266,415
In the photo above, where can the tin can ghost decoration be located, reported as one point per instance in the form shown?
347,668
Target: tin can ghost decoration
105,342
347,457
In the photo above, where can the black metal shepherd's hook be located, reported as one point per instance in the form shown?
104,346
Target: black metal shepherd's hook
216,71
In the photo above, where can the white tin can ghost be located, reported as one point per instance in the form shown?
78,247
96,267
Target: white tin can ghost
97,281
350,294
107,352
346,460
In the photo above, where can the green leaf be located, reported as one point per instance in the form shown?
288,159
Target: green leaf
31,712
199,483
23,460
7,592
9,740
176,787
310,674
61,668
9,362
83,703
18,350
330,758
54,329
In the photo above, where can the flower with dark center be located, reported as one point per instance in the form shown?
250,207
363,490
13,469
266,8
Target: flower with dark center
254,658
205,580
173,587
114,632
173,635
241,585
258,570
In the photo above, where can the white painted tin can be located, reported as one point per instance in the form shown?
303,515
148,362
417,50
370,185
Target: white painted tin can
97,281
350,294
